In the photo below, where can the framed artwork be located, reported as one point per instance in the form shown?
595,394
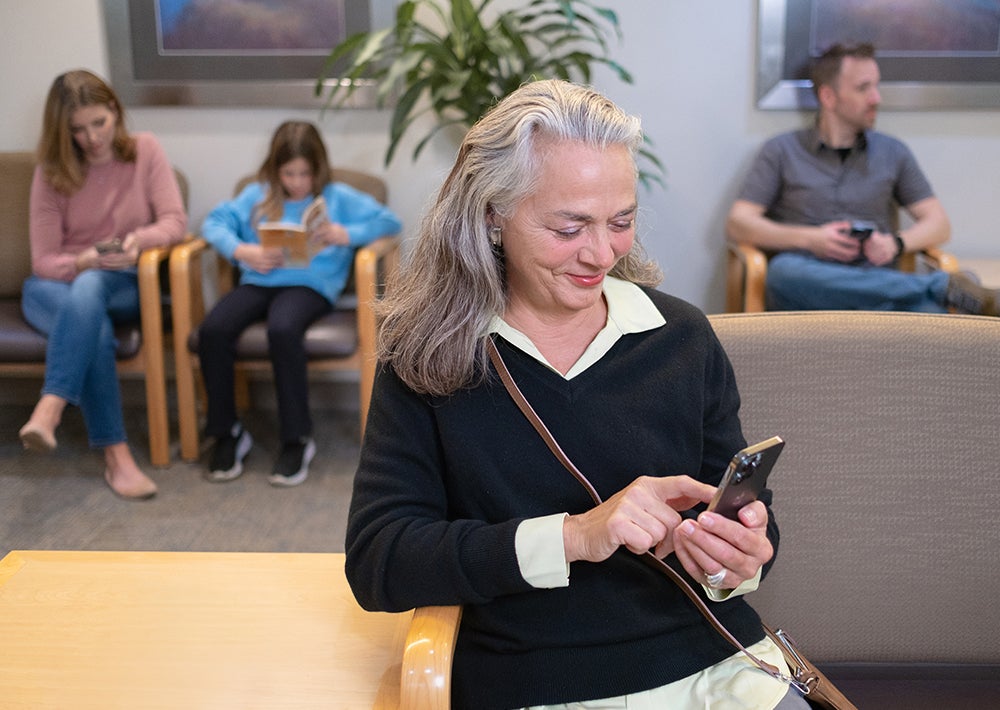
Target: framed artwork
933,54
238,52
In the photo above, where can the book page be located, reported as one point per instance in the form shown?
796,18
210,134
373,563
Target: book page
315,215
291,238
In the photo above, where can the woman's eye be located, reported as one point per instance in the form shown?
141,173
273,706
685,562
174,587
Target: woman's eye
567,233
622,226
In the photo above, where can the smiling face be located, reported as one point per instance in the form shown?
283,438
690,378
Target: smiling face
296,178
93,131
563,239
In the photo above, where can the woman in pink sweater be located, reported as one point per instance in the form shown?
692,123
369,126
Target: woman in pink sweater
100,196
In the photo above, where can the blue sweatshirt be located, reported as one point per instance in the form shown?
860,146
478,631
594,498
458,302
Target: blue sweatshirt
232,223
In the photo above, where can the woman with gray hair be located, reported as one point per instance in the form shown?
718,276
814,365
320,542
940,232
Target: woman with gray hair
530,245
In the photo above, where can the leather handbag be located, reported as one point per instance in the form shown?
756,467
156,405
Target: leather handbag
815,687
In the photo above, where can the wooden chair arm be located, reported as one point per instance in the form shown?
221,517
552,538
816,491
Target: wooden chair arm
425,683
154,361
746,276
186,291
373,264
150,293
939,259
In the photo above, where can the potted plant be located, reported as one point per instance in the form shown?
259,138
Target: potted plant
445,57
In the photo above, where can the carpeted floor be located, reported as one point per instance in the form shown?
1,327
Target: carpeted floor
61,501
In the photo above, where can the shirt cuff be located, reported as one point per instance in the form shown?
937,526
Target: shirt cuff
721,595
541,557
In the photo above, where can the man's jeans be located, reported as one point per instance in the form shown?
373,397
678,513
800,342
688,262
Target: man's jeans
78,319
797,281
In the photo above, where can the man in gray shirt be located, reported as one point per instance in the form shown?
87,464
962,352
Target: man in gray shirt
826,199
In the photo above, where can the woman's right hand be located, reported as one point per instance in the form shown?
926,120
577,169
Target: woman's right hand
641,517
258,258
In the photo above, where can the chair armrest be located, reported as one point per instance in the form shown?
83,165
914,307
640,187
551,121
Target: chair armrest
186,291
150,292
746,276
374,264
425,683
941,260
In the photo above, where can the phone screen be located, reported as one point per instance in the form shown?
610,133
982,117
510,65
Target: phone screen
745,477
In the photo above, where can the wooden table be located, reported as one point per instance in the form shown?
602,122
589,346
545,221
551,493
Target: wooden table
191,630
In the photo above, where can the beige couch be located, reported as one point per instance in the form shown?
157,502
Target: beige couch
887,494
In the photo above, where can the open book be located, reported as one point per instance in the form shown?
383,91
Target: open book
295,240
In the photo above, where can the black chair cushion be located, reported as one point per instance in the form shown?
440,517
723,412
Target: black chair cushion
335,335
19,342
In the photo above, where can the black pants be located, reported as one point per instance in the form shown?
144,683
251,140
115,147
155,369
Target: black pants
288,311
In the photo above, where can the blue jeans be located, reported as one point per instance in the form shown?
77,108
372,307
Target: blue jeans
78,318
797,281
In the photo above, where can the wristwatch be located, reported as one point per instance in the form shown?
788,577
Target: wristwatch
900,246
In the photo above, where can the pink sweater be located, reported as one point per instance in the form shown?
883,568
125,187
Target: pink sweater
116,198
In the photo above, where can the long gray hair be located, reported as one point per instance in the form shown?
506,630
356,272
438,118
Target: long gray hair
437,312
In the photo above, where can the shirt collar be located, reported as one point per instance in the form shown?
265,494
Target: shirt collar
816,143
629,311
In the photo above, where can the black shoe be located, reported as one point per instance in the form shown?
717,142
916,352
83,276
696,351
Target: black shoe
292,466
965,295
228,454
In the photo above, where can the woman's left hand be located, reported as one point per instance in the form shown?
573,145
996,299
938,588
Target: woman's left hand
713,544
331,233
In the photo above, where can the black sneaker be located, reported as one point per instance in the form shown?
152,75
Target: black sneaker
967,296
228,454
292,466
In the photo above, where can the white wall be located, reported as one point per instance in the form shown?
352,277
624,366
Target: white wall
693,64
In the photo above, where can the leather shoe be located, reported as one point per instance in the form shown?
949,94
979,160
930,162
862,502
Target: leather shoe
140,489
967,296
35,438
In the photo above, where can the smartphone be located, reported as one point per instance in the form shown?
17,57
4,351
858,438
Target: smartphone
746,477
113,246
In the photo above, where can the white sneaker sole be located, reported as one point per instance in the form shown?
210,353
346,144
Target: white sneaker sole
243,447
300,475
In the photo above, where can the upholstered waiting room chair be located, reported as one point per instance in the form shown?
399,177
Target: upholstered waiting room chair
343,340
22,348
746,273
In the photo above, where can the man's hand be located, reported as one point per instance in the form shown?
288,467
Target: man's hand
833,241
880,248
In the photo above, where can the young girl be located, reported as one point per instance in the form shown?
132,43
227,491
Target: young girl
295,172
95,182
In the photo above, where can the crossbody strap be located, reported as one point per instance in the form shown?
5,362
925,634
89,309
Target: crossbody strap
649,558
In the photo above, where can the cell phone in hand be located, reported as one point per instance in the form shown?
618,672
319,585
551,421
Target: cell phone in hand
745,477
112,246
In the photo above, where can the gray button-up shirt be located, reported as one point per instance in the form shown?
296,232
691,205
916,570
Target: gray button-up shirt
799,180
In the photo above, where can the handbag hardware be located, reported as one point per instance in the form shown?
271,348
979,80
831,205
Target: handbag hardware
805,678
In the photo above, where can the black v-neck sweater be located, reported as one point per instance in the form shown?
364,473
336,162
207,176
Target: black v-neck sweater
443,483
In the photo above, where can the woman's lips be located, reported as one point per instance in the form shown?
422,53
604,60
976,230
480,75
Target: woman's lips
588,280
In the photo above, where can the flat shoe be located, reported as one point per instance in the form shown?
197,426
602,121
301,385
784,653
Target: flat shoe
35,438
140,490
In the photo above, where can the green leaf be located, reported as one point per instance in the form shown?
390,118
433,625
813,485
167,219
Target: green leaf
454,59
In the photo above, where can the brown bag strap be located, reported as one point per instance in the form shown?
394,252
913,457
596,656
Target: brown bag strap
649,558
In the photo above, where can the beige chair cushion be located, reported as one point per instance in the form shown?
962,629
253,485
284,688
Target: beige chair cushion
888,490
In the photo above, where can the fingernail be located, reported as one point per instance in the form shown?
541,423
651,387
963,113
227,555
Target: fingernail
706,520
751,517
687,527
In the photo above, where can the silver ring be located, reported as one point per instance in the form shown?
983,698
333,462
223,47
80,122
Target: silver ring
715,580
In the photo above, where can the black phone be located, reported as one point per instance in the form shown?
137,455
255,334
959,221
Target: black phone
113,246
745,477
